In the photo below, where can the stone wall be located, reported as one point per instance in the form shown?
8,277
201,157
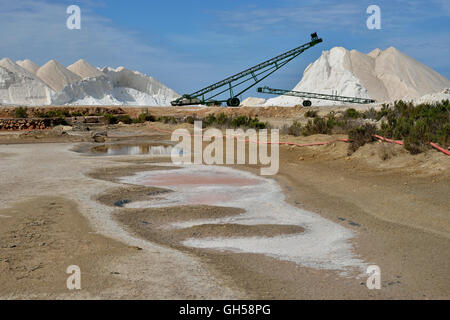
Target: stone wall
44,123
33,112
25,124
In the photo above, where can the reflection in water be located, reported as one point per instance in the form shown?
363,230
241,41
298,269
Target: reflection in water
148,149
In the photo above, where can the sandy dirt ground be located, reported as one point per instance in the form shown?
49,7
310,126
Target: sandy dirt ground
136,269
59,207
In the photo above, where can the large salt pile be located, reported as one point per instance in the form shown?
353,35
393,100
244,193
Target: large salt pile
101,91
124,78
113,87
84,69
19,86
79,84
253,102
89,91
28,65
381,75
56,76
434,97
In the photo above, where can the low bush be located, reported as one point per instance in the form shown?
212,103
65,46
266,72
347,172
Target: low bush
224,121
311,114
417,138
21,112
167,119
361,135
352,114
110,118
415,125
386,151
371,114
247,122
317,126
190,119
143,117
295,129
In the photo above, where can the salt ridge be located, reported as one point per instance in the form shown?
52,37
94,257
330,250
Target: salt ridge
56,76
385,76
19,86
79,84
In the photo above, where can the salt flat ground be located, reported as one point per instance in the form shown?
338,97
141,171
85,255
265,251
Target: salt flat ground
56,210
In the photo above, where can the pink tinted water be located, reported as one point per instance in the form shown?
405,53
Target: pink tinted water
186,179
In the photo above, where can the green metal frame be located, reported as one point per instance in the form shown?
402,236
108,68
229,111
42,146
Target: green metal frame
311,95
263,69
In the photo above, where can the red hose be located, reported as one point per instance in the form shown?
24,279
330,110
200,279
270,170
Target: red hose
434,145
388,140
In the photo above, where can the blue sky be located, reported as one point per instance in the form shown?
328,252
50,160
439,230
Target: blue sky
190,44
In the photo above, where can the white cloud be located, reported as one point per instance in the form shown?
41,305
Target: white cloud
315,14
332,15
37,30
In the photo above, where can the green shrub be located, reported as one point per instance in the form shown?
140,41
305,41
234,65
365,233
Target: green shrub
416,125
222,119
124,118
352,114
316,126
21,112
53,114
331,121
239,121
295,129
361,135
383,112
443,135
210,119
59,121
256,124
167,119
76,114
110,118
416,141
142,118
247,122
190,119
311,114
371,114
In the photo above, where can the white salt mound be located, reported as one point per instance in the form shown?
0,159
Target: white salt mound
56,76
84,69
381,75
253,102
79,84
114,87
28,65
94,88
19,86
101,91
122,77
434,97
